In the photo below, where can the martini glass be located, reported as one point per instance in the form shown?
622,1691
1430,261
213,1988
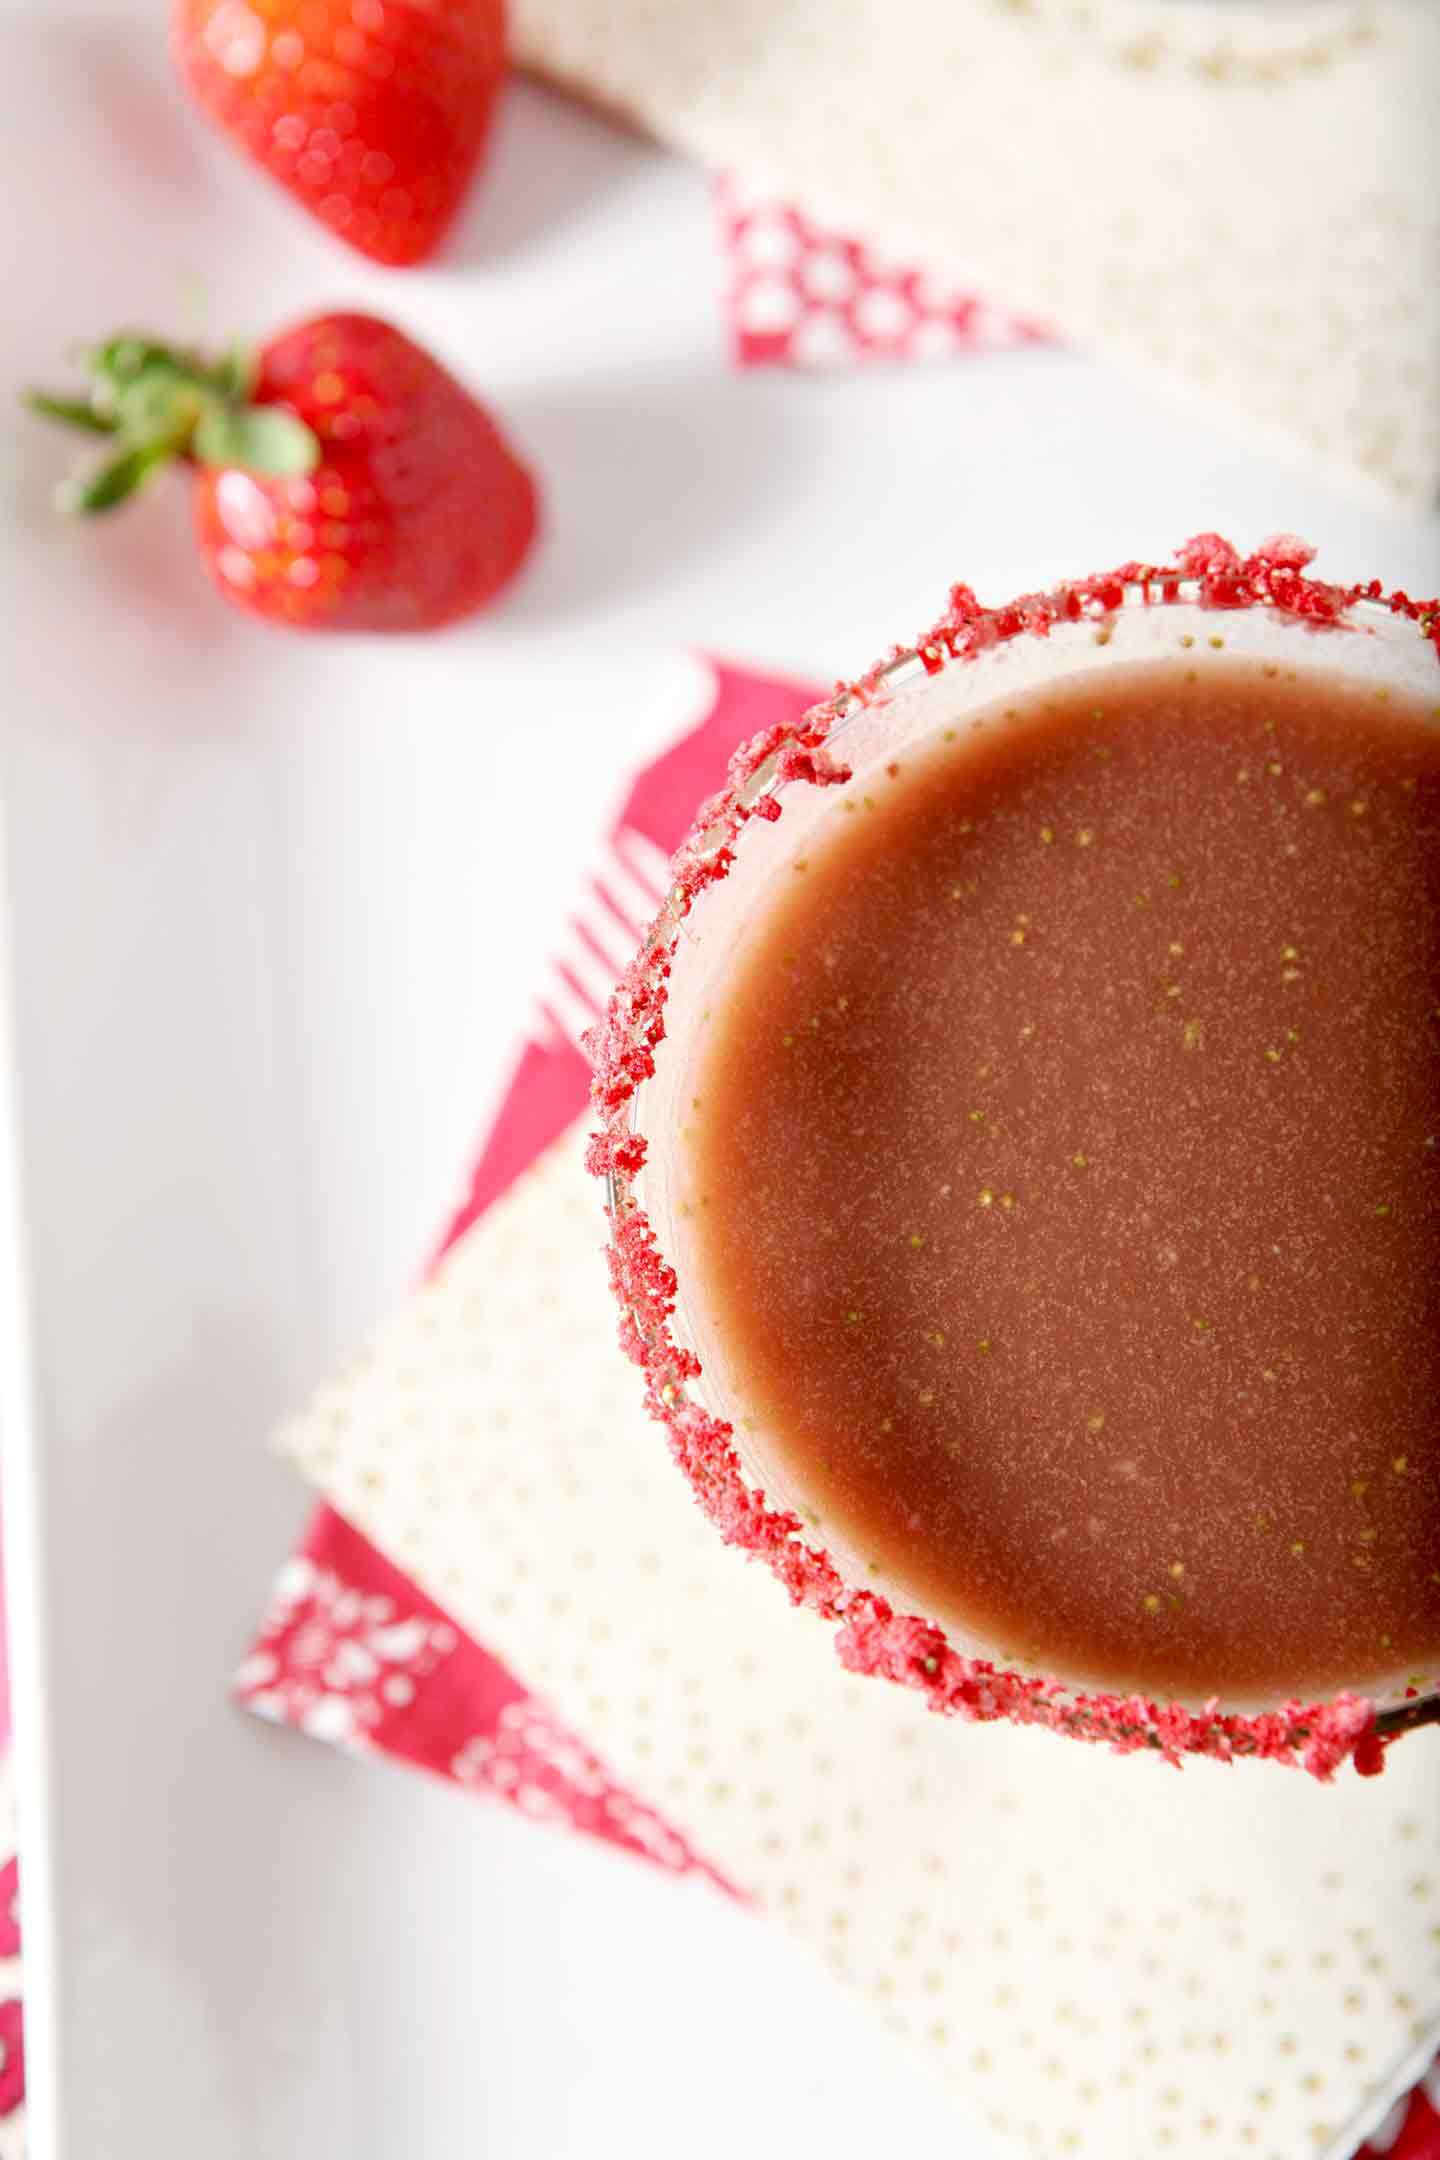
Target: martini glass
730,871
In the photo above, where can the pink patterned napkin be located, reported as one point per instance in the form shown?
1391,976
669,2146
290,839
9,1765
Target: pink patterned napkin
804,295
12,2023
351,1650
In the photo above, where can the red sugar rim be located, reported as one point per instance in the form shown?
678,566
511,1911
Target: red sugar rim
871,1636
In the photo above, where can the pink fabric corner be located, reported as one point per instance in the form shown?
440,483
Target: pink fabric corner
4,1675
803,294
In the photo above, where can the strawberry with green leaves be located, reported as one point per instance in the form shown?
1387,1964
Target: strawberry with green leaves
373,114
343,480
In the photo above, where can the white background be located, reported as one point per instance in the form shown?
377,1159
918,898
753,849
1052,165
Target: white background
276,908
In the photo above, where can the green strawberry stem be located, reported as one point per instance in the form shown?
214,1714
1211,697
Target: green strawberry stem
156,404
72,412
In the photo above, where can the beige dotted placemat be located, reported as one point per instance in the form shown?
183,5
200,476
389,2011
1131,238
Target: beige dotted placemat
1241,197
1104,1956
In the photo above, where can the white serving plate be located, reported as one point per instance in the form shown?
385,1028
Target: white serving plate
275,909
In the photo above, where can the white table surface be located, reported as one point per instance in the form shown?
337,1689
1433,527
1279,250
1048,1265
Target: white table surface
275,910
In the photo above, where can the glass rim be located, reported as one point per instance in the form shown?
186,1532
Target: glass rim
872,1637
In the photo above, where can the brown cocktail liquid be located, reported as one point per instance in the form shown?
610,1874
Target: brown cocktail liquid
1066,1172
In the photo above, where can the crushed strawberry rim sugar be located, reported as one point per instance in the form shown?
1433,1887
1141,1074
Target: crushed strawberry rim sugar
1011,1088
1070,1149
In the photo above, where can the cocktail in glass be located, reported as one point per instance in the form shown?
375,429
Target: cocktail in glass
980,673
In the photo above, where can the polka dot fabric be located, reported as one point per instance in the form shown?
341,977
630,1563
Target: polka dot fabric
1103,1956
802,295
353,1653
1157,180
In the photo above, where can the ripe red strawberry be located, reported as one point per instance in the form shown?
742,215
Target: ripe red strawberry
373,113
343,480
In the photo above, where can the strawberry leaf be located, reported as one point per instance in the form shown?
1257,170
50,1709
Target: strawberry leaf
234,376
259,438
117,480
160,399
121,359
117,367
73,412
157,402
